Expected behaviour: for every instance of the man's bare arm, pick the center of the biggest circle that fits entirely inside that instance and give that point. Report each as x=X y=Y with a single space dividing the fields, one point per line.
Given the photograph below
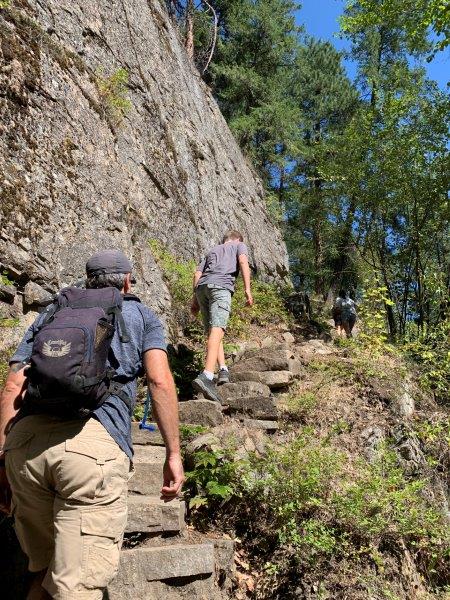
x=165 y=410
x=194 y=305
x=11 y=398
x=245 y=270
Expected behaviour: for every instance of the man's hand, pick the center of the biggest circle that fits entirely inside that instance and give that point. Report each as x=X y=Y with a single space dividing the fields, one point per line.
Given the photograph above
x=195 y=306
x=249 y=298
x=173 y=475
x=5 y=492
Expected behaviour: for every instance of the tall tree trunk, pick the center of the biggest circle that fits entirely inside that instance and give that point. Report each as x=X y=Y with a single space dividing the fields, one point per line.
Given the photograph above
x=189 y=40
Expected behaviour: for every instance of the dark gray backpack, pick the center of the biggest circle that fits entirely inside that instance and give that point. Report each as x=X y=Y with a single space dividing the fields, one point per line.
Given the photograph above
x=68 y=373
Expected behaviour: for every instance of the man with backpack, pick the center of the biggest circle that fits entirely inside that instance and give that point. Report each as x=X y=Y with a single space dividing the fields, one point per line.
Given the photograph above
x=213 y=284
x=65 y=429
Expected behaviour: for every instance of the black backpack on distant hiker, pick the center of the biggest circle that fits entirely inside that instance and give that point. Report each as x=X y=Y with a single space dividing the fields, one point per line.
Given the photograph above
x=68 y=373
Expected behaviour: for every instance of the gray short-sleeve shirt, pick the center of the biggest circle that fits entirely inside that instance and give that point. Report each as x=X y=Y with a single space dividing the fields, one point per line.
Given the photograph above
x=221 y=265
x=146 y=333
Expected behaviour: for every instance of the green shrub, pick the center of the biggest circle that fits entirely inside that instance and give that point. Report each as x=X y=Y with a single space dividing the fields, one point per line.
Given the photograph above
x=307 y=503
x=9 y=322
x=4 y=279
x=213 y=480
x=430 y=351
x=189 y=432
x=298 y=405
x=113 y=92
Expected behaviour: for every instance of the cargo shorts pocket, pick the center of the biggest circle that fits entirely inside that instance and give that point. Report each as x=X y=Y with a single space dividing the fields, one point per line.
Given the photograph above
x=102 y=532
x=86 y=467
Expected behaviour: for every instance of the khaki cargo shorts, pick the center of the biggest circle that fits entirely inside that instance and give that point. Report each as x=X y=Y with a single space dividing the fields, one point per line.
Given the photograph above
x=215 y=305
x=69 y=485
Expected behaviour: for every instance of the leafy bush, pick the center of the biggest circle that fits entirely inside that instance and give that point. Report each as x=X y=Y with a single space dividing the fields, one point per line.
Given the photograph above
x=213 y=480
x=113 y=92
x=299 y=404
x=4 y=279
x=372 y=318
x=431 y=352
x=306 y=503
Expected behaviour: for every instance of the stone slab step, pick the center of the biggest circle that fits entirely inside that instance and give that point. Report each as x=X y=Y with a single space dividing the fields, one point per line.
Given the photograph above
x=144 y=437
x=260 y=424
x=242 y=389
x=150 y=514
x=273 y=379
x=258 y=407
x=148 y=464
x=142 y=567
x=263 y=359
x=201 y=412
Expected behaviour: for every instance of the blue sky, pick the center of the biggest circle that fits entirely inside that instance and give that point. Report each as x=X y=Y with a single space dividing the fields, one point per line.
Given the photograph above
x=320 y=18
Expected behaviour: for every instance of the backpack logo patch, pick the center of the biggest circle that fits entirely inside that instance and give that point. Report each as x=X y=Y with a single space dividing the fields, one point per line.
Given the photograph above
x=56 y=348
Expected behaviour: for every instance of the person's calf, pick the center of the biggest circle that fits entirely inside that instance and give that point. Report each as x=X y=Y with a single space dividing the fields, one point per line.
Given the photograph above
x=212 y=354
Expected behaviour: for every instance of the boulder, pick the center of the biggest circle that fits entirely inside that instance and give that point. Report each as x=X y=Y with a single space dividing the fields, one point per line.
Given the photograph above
x=141 y=569
x=264 y=359
x=242 y=389
x=273 y=379
x=201 y=412
x=148 y=464
x=258 y=407
x=35 y=295
x=259 y=424
x=144 y=437
x=7 y=293
x=149 y=514
x=288 y=337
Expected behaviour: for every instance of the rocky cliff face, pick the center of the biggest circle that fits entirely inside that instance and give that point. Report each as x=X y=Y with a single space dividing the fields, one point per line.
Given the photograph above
x=77 y=176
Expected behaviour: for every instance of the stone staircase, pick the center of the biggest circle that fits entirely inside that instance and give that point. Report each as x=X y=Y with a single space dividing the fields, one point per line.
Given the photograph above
x=165 y=563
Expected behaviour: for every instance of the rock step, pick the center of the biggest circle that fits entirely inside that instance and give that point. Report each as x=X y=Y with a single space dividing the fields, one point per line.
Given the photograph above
x=144 y=437
x=263 y=359
x=273 y=379
x=259 y=407
x=268 y=426
x=148 y=463
x=150 y=514
x=148 y=572
x=201 y=412
x=242 y=389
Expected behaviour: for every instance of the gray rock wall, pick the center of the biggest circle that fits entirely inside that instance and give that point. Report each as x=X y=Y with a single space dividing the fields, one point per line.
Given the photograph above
x=73 y=179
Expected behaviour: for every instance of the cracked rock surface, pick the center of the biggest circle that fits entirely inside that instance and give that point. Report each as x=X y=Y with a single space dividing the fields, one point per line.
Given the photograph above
x=74 y=178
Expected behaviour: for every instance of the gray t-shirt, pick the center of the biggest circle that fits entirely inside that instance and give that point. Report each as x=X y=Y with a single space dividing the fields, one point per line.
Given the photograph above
x=146 y=333
x=221 y=266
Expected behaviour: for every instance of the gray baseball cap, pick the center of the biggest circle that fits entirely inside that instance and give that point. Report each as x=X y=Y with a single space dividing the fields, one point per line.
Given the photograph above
x=108 y=261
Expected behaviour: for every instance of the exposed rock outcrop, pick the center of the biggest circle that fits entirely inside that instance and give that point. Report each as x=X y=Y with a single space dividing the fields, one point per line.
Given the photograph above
x=74 y=177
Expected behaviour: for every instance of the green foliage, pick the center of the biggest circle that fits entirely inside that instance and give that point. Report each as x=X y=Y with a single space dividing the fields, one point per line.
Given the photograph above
x=9 y=322
x=138 y=411
x=4 y=279
x=298 y=405
x=431 y=352
x=372 y=318
x=414 y=17
x=190 y=432
x=5 y=3
x=113 y=90
x=213 y=479
x=306 y=503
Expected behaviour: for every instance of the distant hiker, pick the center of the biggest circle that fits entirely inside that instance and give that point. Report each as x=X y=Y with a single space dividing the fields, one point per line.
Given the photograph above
x=214 y=280
x=344 y=314
x=66 y=414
